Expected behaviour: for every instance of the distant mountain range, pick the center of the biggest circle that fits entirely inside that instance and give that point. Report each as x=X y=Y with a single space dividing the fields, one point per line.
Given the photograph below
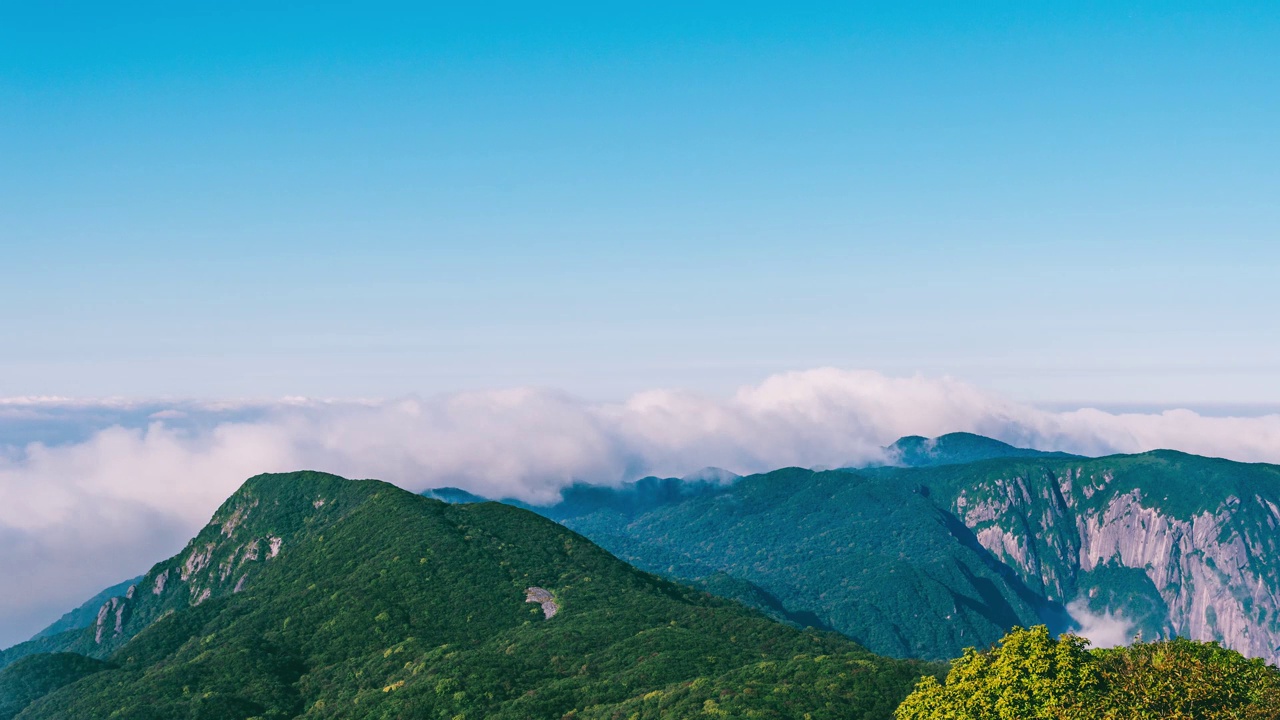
x=308 y=595
x=965 y=538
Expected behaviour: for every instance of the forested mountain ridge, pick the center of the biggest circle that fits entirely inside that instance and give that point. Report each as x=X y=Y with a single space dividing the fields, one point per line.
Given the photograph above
x=238 y=542
x=309 y=595
x=980 y=536
x=877 y=561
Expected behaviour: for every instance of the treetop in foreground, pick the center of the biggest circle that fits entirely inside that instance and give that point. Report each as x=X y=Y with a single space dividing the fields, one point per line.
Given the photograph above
x=1031 y=675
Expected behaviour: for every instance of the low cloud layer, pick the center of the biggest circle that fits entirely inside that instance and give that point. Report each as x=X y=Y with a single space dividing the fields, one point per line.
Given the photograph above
x=91 y=493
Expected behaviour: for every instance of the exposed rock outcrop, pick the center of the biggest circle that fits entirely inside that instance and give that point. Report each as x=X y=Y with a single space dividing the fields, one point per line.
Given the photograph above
x=1214 y=568
x=221 y=560
x=544 y=598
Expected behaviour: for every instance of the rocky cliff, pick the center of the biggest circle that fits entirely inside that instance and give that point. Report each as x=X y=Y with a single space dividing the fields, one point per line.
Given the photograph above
x=1202 y=533
x=251 y=529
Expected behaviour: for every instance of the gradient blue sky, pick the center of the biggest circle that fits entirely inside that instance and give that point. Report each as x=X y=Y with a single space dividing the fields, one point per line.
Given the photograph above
x=1056 y=201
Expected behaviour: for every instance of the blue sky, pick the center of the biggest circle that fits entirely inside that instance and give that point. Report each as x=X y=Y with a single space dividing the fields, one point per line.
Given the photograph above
x=1057 y=202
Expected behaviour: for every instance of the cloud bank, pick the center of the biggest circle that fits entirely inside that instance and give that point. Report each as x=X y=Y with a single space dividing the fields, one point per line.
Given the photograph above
x=91 y=493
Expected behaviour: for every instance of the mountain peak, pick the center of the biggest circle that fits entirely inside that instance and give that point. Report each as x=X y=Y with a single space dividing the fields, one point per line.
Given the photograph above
x=957 y=448
x=369 y=600
x=711 y=475
x=453 y=496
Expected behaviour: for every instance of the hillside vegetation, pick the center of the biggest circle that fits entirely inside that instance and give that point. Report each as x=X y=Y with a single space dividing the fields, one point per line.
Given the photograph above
x=979 y=538
x=313 y=596
x=876 y=560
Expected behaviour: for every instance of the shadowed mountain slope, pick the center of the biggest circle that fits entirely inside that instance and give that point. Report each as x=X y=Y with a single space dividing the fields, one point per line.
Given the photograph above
x=924 y=561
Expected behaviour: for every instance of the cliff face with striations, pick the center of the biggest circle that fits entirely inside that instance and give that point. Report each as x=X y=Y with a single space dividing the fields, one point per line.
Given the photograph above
x=1200 y=533
x=241 y=539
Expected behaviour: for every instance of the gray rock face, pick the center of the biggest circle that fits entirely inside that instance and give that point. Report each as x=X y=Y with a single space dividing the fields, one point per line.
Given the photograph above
x=220 y=561
x=101 y=622
x=1215 y=568
x=115 y=609
x=543 y=598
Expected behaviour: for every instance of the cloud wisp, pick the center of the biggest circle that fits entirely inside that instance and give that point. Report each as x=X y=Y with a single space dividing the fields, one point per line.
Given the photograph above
x=1105 y=630
x=100 y=490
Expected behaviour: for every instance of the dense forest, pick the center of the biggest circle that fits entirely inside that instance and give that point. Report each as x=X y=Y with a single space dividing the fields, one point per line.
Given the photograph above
x=313 y=596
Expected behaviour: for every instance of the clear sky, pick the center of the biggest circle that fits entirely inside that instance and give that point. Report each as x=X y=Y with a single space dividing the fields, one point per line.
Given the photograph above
x=1056 y=201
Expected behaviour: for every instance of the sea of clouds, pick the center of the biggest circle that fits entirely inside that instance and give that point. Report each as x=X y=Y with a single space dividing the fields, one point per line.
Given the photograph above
x=92 y=492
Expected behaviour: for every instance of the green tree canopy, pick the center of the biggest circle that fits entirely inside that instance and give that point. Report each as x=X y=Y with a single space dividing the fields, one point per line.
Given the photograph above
x=1030 y=674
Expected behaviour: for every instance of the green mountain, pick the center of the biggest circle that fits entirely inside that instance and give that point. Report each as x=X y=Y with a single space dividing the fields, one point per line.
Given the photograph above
x=957 y=449
x=65 y=631
x=312 y=596
x=87 y=613
x=924 y=561
x=33 y=677
x=877 y=561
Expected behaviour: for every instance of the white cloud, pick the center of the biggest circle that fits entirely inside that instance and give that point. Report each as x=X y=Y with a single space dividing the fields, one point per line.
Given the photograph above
x=1103 y=631
x=129 y=485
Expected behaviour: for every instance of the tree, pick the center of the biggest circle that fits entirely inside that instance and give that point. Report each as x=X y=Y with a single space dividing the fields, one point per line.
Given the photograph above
x=1184 y=680
x=1032 y=675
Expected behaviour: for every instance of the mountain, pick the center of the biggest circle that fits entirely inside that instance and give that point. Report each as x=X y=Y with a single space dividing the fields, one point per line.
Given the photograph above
x=308 y=595
x=66 y=630
x=924 y=561
x=877 y=561
x=453 y=496
x=1176 y=543
x=33 y=677
x=716 y=475
x=86 y=614
x=957 y=449
x=632 y=499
